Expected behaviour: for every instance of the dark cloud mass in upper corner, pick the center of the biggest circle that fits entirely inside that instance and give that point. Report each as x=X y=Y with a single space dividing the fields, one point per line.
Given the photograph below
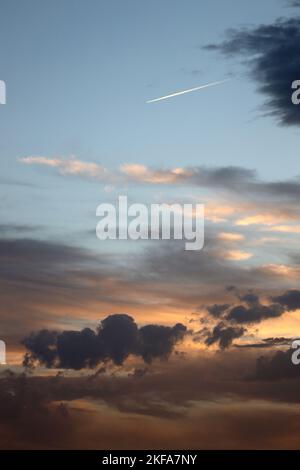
x=117 y=337
x=273 y=53
x=290 y=299
x=294 y=3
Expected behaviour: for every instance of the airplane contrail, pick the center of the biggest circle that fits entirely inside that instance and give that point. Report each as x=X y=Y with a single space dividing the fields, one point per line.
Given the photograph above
x=177 y=93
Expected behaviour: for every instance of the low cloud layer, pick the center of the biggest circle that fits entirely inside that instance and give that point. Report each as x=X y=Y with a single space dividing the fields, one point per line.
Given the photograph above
x=165 y=407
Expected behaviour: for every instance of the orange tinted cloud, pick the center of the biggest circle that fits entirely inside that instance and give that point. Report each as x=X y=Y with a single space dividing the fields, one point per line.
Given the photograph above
x=237 y=255
x=285 y=228
x=231 y=237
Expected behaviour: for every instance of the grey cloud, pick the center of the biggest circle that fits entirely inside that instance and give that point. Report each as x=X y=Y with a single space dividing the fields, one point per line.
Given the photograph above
x=217 y=310
x=273 y=57
x=241 y=314
x=277 y=366
x=290 y=299
x=224 y=335
x=267 y=343
x=294 y=3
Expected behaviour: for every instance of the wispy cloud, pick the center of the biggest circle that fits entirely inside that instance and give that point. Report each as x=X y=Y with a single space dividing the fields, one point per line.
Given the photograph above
x=235 y=180
x=237 y=255
x=70 y=166
x=146 y=175
x=231 y=237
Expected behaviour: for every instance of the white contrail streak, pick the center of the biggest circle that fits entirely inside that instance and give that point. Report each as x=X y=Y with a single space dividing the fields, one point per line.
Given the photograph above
x=177 y=93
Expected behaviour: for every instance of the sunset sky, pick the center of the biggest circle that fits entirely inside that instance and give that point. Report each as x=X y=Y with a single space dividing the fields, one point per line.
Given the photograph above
x=142 y=344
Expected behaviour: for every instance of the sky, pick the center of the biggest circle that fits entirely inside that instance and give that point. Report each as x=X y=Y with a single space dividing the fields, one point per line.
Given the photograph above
x=105 y=338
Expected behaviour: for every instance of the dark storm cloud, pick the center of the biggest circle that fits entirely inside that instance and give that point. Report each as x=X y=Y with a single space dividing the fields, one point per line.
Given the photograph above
x=224 y=335
x=159 y=341
x=218 y=310
x=117 y=337
x=274 y=61
x=252 y=310
x=249 y=313
x=290 y=299
x=241 y=314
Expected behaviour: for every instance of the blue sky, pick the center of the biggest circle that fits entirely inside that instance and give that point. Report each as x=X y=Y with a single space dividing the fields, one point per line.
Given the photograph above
x=78 y=75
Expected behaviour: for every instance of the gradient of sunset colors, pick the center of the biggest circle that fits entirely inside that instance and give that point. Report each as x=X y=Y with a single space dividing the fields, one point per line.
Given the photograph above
x=127 y=344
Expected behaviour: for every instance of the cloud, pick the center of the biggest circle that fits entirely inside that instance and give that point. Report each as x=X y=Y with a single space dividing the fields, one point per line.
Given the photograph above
x=294 y=3
x=164 y=407
x=258 y=219
x=284 y=229
x=231 y=237
x=277 y=366
x=253 y=311
x=281 y=270
x=267 y=343
x=15 y=229
x=237 y=255
x=60 y=284
x=224 y=335
x=217 y=310
x=70 y=166
x=234 y=180
x=273 y=57
x=143 y=174
x=289 y=300
x=116 y=338
x=241 y=314
x=249 y=313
